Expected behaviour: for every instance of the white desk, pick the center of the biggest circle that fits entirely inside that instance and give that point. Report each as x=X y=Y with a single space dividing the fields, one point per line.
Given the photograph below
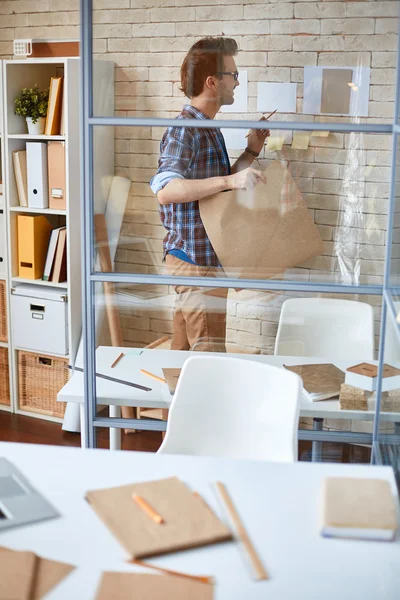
x=278 y=503
x=109 y=393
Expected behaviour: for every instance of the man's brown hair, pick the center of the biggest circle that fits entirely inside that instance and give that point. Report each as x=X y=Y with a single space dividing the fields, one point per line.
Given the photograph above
x=205 y=58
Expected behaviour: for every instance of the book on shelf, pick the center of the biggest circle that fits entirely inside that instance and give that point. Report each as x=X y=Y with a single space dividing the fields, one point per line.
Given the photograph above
x=53 y=118
x=320 y=381
x=358 y=508
x=21 y=177
x=59 y=274
x=51 y=252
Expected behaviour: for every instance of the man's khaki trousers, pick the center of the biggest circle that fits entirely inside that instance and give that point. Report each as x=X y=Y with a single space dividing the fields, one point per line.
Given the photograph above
x=200 y=313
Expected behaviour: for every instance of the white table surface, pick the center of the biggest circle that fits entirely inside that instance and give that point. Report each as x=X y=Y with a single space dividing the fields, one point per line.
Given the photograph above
x=278 y=503
x=154 y=361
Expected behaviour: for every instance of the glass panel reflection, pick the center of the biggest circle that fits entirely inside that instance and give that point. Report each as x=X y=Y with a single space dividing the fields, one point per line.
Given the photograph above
x=135 y=326
x=313 y=214
x=340 y=65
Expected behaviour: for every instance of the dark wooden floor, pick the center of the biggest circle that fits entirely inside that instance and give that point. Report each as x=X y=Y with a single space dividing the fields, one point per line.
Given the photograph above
x=18 y=428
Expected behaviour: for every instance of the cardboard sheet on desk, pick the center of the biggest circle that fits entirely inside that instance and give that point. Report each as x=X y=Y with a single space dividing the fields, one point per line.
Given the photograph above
x=126 y=586
x=17 y=574
x=261 y=233
x=171 y=377
x=319 y=378
x=45 y=575
x=188 y=521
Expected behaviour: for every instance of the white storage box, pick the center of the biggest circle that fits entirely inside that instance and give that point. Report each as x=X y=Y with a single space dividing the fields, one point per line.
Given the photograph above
x=40 y=319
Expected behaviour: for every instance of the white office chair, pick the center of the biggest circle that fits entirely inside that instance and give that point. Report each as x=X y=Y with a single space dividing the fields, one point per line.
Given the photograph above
x=228 y=407
x=329 y=328
x=326 y=327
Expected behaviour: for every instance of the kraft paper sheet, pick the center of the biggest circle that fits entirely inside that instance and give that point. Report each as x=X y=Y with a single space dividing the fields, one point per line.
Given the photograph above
x=262 y=232
x=127 y=586
x=188 y=521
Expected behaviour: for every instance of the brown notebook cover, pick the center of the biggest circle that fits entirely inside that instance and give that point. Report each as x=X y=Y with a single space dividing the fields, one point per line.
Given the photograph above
x=188 y=520
x=171 y=377
x=363 y=507
x=17 y=574
x=126 y=586
x=319 y=378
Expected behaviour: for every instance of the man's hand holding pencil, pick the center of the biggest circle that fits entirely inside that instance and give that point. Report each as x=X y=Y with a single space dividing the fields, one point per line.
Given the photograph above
x=257 y=137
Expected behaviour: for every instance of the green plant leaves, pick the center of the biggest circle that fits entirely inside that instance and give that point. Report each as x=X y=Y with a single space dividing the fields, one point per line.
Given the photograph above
x=32 y=102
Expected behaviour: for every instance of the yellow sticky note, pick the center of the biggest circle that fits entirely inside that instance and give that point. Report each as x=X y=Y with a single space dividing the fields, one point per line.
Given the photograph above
x=319 y=133
x=301 y=140
x=274 y=143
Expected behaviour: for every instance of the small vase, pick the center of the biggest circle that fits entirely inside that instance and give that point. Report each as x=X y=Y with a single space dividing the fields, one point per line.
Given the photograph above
x=36 y=128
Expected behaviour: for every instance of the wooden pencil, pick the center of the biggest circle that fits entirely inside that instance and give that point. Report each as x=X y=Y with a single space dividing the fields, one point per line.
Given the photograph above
x=242 y=533
x=156 y=377
x=116 y=361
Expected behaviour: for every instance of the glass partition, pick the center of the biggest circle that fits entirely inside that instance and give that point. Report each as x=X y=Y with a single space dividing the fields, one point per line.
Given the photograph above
x=283 y=195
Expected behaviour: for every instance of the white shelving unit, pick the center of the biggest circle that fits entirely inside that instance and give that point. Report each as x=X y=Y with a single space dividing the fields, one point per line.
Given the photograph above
x=4 y=250
x=17 y=74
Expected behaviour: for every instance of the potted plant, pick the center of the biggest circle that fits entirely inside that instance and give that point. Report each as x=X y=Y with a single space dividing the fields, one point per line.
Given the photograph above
x=32 y=104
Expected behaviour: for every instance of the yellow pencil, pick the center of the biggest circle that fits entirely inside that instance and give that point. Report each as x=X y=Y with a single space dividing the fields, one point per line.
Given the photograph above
x=153 y=376
x=141 y=502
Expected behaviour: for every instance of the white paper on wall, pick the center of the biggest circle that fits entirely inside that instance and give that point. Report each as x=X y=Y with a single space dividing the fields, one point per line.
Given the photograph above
x=280 y=96
x=240 y=103
x=235 y=139
x=317 y=84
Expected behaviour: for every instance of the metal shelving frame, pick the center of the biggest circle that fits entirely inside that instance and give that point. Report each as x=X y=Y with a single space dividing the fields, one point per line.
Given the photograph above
x=91 y=276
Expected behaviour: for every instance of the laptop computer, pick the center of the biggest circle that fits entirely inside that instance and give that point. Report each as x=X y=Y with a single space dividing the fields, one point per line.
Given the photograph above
x=20 y=503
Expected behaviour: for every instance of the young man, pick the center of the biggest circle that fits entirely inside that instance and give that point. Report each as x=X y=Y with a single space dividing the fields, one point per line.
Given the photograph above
x=194 y=164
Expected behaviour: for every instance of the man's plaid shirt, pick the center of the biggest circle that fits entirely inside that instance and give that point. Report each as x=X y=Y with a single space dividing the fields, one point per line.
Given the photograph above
x=189 y=153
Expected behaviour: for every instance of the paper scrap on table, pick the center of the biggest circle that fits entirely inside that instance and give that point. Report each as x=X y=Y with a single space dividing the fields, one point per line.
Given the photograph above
x=240 y=97
x=274 y=143
x=280 y=96
x=319 y=133
x=133 y=352
x=301 y=139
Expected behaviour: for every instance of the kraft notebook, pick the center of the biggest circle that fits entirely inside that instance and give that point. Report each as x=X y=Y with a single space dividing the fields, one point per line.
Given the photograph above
x=320 y=381
x=127 y=586
x=358 y=508
x=188 y=521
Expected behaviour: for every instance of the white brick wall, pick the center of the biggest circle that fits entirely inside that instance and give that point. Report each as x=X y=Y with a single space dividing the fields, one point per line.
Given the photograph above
x=147 y=40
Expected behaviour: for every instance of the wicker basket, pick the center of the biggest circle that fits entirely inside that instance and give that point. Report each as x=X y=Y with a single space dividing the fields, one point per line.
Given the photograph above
x=3 y=312
x=4 y=377
x=40 y=379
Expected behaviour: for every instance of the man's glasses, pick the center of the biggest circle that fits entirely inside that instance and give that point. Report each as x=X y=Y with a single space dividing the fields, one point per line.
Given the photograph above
x=235 y=74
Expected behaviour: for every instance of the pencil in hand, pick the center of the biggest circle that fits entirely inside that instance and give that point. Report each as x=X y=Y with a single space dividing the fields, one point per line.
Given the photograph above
x=150 y=512
x=266 y=118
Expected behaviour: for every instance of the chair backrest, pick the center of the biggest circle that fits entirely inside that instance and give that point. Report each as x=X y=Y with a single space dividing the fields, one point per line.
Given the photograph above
x=325 y=327
x=236 y=408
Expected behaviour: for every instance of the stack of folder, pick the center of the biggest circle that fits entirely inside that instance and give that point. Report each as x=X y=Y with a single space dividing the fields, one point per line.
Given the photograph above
x=40 y=175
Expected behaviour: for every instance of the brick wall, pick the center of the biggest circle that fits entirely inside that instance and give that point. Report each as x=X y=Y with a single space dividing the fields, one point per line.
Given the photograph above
x=147 y=40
